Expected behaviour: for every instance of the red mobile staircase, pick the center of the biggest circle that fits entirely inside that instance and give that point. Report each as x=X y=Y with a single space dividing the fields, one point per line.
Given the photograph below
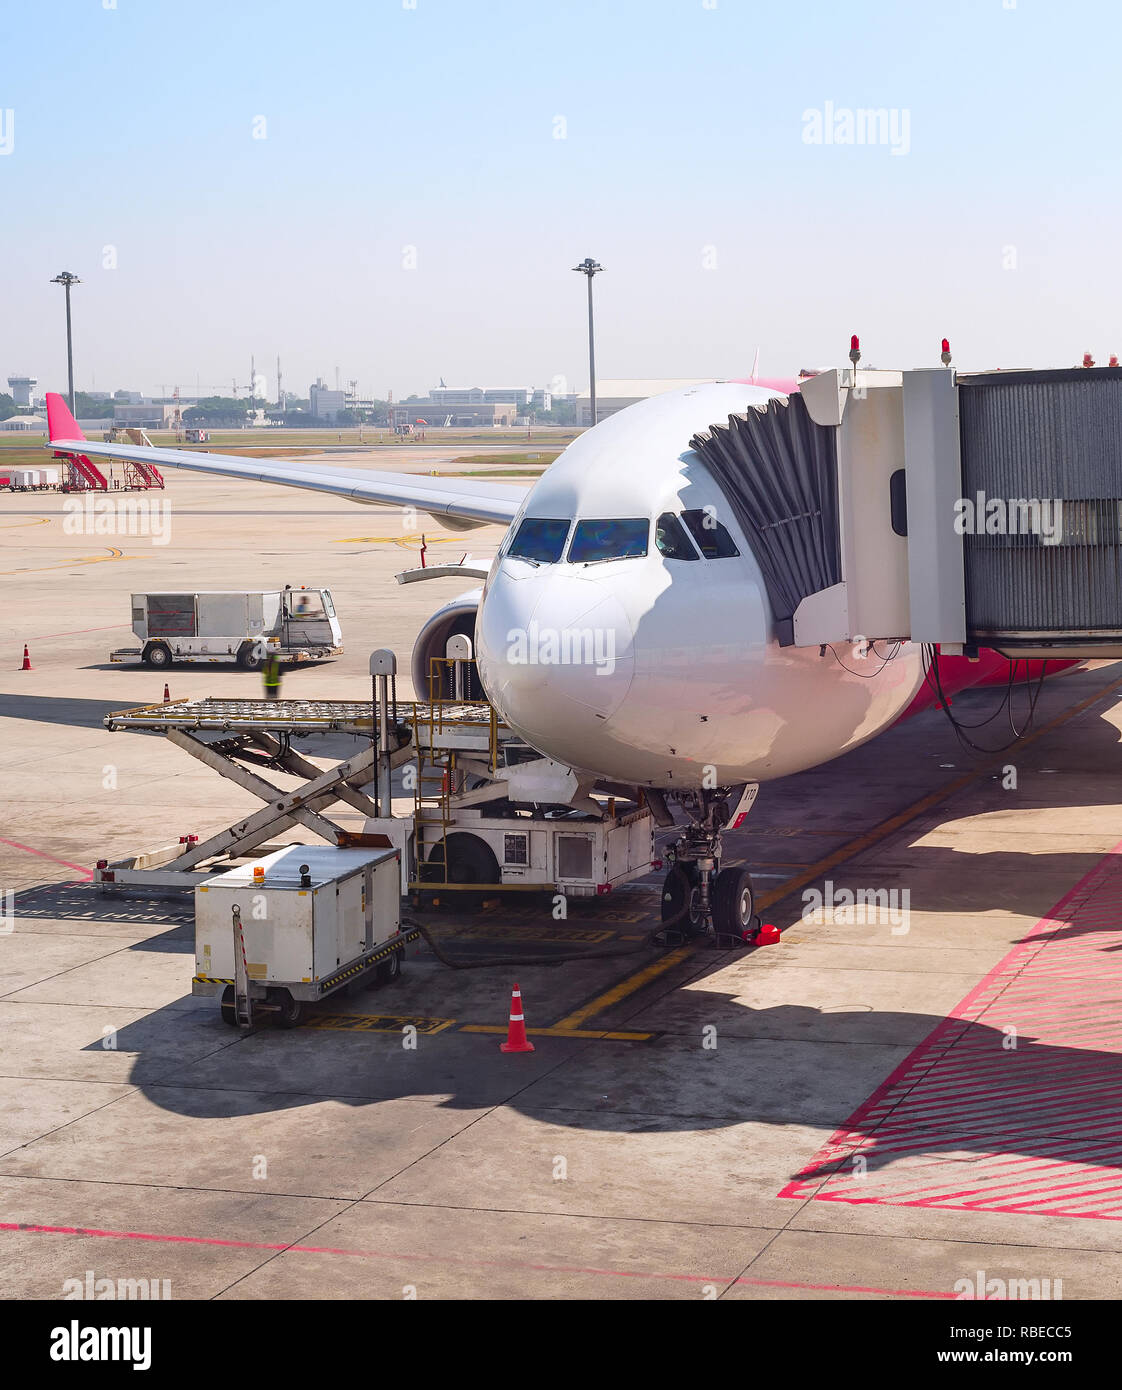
x=82 y=474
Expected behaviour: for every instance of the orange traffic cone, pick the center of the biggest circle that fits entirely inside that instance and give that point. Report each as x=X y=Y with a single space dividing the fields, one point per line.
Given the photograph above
x=516 y=1039
x=768 y=935
x=27 y=666
x=167 y=693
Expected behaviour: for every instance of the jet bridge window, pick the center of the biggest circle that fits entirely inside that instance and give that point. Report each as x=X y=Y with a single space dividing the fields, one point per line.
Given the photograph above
x=713 y=539
x=671 y=539
x=608 y=540
x=539 y=539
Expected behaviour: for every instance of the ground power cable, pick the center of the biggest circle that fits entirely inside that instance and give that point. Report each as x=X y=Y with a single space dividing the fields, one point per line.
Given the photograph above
x=934 y=680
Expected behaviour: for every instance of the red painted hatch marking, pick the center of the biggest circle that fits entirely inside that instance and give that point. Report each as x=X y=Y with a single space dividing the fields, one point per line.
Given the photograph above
x=968 y=1123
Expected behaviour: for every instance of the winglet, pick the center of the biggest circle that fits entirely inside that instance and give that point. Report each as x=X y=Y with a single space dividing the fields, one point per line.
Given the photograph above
x=60 y=423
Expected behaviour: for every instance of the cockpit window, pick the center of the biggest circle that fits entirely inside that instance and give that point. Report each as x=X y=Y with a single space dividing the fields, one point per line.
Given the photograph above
x=671 y=539
x=608 y=540
x=539 y=539
x=713 y=540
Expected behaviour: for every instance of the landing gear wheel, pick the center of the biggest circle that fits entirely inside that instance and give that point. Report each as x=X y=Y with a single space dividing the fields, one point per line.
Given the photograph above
x=157 y=654
x=289 y=1012
x=229 y=1008
x=681 y=900
x=733 y=902
x=389 y=970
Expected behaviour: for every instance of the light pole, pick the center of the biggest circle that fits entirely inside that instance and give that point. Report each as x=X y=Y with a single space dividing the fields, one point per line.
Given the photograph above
x=66 y=280
x=590 y=268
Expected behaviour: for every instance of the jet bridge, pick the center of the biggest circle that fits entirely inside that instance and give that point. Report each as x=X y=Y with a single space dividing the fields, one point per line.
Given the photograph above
x=959 y=509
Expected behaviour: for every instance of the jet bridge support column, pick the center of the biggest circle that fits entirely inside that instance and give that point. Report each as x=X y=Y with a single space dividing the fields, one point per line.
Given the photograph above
x=933 y=466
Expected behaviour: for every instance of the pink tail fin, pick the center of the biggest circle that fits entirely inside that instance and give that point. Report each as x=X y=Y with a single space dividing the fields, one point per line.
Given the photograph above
x=60 y=423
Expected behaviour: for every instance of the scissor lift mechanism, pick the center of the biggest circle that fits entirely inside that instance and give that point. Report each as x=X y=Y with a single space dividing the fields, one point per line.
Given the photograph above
x=255 y=734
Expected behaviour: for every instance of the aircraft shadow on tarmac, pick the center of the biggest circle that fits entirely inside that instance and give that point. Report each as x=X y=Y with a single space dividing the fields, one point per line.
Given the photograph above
x=666 y=1086
x=780 y=1065
x=60 y=709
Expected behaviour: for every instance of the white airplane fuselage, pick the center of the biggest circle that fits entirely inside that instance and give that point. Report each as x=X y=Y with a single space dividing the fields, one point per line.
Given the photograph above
x=658 y=671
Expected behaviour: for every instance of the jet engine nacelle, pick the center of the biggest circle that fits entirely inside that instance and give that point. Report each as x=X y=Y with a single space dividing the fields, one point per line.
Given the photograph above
x=454 y=619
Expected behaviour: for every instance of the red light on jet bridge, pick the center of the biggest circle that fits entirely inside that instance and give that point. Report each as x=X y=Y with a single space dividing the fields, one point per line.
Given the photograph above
x=1088 y=360
x=855 y=349
x=945 y=352
x=1113 y=360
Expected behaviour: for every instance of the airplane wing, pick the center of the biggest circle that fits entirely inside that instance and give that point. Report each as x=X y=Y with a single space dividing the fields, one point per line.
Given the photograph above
x=460 y=504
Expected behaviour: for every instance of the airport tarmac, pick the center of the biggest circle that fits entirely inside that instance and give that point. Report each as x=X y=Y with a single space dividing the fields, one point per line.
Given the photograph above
x=876 y=1108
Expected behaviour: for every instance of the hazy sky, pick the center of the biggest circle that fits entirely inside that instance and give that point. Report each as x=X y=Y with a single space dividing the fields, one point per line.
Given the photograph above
x=411 y=211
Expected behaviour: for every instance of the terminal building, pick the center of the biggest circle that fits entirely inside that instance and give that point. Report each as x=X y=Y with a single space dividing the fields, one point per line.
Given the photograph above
x=145 y=416
x=467 y=415
x=487 y=395
x=613 y=396
x=462 y=406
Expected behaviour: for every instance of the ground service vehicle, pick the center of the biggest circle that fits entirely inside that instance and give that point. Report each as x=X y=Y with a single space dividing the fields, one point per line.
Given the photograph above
x=299 y=625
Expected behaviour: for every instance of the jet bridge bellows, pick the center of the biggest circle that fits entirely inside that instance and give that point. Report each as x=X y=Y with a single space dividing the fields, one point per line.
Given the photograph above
x=1041 y=457
x=779 y=472
x=964 y=510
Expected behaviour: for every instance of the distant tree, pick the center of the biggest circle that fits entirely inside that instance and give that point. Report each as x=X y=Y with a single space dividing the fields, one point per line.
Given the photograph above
x=217 y=410
x=296 y=419
x=376 y=413
x=87 y=408
x=7 y=406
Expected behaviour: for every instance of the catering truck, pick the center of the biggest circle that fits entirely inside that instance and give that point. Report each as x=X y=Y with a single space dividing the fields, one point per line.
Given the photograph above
x=298 y=625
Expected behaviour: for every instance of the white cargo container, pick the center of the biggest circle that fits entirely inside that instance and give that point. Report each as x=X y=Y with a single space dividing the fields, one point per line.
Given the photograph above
x=34 y=478
x=215 y=626
x=314 y=919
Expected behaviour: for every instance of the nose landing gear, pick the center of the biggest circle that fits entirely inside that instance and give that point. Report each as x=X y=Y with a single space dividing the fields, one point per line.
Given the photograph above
x=698 y=896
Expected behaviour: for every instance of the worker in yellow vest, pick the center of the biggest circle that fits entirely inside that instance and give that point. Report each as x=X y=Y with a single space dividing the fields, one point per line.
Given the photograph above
x=271 y=674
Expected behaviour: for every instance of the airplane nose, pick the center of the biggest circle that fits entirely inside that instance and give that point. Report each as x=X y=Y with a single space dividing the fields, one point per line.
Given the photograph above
x=552 y=650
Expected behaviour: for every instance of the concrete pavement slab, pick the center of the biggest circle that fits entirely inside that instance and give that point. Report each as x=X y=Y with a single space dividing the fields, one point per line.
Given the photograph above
x=616 y=1165
x=804 y=1264
x=249 y=1141
x=84 y=1042
x=394 y=1251
x=200 y=1243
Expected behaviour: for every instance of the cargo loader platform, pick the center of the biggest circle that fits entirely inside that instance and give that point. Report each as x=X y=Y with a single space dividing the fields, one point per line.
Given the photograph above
x=489 y=814
x=253 y=735
x=242 y=739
